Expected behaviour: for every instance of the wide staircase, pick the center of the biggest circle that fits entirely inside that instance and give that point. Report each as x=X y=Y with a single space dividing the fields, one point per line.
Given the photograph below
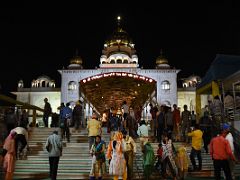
x=76 y=160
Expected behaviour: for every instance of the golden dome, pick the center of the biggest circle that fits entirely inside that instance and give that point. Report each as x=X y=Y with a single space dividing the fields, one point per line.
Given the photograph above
x=119 y=37
x=76 y=60
x=161 y=60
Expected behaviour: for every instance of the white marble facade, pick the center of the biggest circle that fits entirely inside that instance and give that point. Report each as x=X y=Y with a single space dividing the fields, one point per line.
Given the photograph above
x=164 y=96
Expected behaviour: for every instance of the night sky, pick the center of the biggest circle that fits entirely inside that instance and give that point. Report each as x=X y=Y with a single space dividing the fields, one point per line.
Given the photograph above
x=40 y=38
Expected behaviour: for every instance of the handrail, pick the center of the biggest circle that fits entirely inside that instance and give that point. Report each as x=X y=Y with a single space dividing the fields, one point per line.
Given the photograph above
x=25 y=105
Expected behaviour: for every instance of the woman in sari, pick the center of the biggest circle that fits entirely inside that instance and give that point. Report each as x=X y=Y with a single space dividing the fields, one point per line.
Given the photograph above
x=10 y=157
x=115 y=154
x=98 y=159
x=182 y=161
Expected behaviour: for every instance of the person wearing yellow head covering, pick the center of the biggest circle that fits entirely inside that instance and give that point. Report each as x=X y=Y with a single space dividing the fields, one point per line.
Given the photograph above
x=117 y=166
x=182 y=161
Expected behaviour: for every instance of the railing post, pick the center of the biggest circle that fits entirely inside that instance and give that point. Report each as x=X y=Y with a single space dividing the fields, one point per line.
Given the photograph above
x=34 y=117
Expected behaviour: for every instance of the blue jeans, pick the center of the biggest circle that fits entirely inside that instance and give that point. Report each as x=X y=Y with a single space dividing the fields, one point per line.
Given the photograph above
x=91 y=140
x=193 y=154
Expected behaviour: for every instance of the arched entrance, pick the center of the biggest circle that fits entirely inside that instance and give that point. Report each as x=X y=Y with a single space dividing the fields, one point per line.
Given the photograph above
x=111 y=89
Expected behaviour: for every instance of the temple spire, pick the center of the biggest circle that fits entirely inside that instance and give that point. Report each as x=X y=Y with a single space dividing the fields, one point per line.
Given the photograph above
x=76 y=52
x=161 y=52
x=119 y=18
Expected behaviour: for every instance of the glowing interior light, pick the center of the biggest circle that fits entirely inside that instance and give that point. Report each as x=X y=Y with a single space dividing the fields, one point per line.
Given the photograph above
x=119 y=74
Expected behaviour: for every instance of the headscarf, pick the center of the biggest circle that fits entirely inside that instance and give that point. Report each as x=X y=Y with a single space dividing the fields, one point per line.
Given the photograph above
x=9 y=143
x=118 y=136
x=12 y=134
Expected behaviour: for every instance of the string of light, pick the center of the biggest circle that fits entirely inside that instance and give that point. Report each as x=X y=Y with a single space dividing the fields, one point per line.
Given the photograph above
x=118 y=74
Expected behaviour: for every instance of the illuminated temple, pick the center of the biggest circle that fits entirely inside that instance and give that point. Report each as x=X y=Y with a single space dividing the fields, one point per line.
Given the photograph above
x=119 y=78
x=116 y=79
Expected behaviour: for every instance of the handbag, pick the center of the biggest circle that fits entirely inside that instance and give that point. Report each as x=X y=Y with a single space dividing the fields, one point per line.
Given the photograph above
x=49 y=147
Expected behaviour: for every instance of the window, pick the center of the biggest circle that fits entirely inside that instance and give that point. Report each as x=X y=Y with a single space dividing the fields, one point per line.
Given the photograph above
x=165 y=85
x=44 y=84
x=112 y=61
x=125 y=61
x=119 y=61
x=72 y=85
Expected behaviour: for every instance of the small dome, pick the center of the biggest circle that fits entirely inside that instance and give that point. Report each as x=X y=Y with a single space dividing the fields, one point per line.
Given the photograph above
x=20 y=84
x=76 y=60
x=161 y=60
x=43 y=77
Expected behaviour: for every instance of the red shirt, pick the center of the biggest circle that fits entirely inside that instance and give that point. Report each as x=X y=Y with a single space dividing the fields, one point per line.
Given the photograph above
x=220 y=148
x=159 y=152
x=176 y=116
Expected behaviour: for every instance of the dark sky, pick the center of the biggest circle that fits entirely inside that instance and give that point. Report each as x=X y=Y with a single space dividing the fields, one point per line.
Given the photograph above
x=40 y=38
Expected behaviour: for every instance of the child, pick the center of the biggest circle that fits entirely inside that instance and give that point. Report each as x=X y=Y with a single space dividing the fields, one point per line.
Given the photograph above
x=159 y=156
x=148 y=160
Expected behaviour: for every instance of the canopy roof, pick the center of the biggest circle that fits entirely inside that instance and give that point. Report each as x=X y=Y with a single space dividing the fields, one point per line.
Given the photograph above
x=111 y=91
x=221 y=67
x=16 y=102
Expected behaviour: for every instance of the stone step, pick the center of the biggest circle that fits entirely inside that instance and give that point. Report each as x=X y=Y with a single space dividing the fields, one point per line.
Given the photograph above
x=76 y=160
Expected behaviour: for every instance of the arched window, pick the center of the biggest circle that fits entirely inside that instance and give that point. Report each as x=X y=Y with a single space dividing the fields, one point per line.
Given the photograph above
x=165 y=85
x=134 y=62
x=125 y=61
x=44 y=84
x=103 y=62
x=52 y=84
x=112 y=61
x=72 y=85
x=119 y=61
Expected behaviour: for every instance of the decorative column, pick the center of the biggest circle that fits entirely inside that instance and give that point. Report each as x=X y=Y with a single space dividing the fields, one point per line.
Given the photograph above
x=158 y=91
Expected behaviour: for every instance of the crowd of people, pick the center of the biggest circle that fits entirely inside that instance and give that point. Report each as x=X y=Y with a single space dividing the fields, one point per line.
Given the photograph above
x=125 y=125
